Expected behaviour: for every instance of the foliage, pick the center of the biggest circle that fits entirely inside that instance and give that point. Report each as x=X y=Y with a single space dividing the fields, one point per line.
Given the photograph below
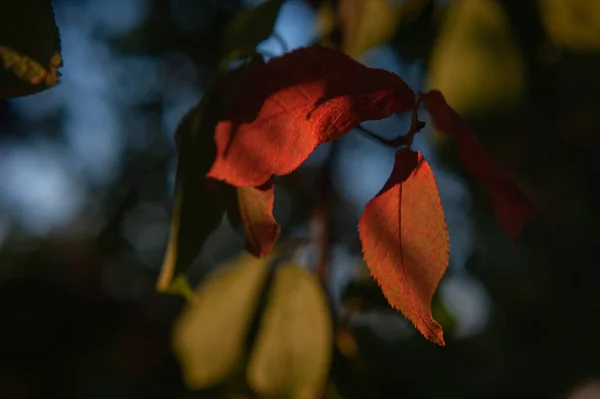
x=264 y=324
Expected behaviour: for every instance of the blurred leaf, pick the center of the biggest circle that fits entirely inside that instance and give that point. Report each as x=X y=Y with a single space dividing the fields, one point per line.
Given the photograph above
x=511 y=206
x=249 y=28
x=198 y=207
x=210 y=336
x=29 y=47
x=292 y=352
x=346 y=343
x=405 y=241
x=475 y=62
x=326 y=23
x=574 y=24
x=440 y=312
x=417 y=30
x=367 y=23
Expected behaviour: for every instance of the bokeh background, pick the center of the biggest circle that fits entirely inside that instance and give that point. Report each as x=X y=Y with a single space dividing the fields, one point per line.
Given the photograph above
x=87 y=173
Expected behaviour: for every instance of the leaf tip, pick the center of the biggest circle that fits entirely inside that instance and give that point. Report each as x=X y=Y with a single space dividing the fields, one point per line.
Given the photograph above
x=261 y=240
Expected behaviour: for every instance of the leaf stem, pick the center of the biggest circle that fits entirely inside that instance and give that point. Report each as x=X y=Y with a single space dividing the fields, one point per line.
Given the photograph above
x=373 y=136
x=405 y=140
x=322 y=223
x=279 y=39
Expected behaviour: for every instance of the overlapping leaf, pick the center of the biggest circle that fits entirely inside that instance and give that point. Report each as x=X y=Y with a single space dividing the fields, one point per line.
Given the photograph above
x=294 y=103
x=210 y=336
x=197 y=209
x=292 y=352
x=254 y=210
x=248 y=28
x=510 y=204
x=367 y=23
x=405 y=240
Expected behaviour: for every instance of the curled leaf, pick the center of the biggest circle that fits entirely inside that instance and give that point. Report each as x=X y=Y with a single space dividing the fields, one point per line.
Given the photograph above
x=255 y=206
x=511 y=206
x=292 y=352
x=405 y=241
x=294 y=103
x=210 y=336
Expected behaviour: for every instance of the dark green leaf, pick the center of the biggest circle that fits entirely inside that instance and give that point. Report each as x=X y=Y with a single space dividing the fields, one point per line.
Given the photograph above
x=29 y=47
x=198 y=207
x=248 y=28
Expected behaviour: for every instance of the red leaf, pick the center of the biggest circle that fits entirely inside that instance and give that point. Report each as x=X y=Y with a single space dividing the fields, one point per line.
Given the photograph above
x=294 y=103
x=256 y=213
x=405 y=241
x=511 y=206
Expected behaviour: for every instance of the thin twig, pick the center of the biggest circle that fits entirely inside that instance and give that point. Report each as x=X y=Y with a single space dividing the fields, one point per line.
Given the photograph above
x=322 y=223
x=415 y=126
x=373 y=136
x=280 y=41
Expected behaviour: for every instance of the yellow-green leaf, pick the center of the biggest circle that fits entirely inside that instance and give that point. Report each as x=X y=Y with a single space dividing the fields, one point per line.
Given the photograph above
x=29 y=47
x=209 y=337
x=476 y=63
x=573 y=24
x=367 y=23
x=292 y=352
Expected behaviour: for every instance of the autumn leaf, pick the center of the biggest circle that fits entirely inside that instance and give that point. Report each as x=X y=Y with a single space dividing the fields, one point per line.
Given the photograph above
x=511 y=206
x=29 y=47
x=210 y=336
x=405 y=240
x=254 y=211
x=294 y=103
x=292 y=352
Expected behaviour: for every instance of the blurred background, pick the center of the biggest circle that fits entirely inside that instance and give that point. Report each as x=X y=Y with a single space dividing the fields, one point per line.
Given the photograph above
x=87 y=173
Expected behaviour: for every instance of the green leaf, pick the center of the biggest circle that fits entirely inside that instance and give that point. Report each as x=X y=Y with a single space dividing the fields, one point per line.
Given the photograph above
x=29 y=47
x=572 y=24
x=196 y=210
x=198 y=206
x=210 y=336
x=248 y=28
x=367 y=23
x=476 y=62
x=292 y=352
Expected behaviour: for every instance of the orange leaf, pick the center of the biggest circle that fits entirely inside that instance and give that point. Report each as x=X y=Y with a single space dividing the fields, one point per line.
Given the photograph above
x=405 y=241
x=294 y=103
x=511 y=206
x=255 y=205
